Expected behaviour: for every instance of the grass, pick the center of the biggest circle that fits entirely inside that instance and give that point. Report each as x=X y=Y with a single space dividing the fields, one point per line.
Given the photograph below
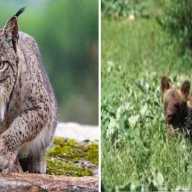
x=137 y=154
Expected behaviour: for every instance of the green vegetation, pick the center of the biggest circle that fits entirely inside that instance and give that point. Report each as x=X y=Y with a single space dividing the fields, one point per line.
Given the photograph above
x=137 y=154
x=65 y=155
x=116 y=8
x=177 y=21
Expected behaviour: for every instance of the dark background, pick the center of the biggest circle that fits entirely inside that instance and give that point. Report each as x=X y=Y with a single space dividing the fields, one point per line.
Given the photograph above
x=67 y=34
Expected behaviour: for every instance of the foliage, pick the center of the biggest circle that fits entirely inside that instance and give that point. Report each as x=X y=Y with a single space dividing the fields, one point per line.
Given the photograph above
x=137 y=154
x=124 y=8
x=177 y=20
x=64 y=157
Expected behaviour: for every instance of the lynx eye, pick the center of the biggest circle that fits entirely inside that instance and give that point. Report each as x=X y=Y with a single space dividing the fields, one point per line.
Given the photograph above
x=3 y=65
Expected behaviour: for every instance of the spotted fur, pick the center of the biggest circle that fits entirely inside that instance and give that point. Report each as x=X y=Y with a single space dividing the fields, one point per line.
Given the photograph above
x=27 y=102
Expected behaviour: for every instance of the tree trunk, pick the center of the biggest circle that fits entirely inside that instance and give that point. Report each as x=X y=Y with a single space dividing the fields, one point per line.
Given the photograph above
x=46 y=183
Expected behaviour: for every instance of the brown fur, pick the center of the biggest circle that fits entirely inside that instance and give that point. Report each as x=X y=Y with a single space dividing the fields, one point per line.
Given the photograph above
x=177 y=103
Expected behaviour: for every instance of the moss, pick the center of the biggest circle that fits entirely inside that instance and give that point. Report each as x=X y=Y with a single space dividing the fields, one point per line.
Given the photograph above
x=59 y=167
x=69 y=149
x=64 y=155
x=91 y=153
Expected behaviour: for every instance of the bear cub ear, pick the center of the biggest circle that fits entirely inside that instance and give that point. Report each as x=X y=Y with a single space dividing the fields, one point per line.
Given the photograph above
x=165 y=83
x=185 y=88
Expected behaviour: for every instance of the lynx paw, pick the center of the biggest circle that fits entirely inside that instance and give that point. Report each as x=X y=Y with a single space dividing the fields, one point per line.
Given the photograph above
x=7 y=159
x=7 y=162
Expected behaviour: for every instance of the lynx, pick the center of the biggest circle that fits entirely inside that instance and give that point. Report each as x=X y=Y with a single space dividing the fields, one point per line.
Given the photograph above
x=27 y=102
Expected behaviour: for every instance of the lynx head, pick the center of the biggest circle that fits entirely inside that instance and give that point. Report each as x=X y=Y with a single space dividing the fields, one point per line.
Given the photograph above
x=8 y=60
x=175 y=101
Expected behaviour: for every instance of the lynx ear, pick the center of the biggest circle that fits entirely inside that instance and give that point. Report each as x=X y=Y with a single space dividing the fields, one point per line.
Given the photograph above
x=165 y=83
x=11 y=29
x=185 y=88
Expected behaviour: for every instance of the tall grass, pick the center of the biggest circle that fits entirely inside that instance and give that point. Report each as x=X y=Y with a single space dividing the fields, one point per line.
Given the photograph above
x=137 y=154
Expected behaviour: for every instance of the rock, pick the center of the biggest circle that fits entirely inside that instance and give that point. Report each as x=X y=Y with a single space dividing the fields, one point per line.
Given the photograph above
x=77 y=131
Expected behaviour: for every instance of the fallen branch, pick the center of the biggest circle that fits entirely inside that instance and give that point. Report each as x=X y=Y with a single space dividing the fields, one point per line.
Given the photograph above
x=46 y=183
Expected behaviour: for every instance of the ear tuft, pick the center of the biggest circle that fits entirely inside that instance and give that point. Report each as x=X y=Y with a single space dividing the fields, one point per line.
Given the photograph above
x=20 y=12
x=165 y=83
x=185 y=88
x=11 y=30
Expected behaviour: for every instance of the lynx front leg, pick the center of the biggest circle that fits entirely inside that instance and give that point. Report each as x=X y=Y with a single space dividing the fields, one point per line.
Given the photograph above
x=9 y=162
x=23 y=129
x=38 y=164
x=7 y=159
